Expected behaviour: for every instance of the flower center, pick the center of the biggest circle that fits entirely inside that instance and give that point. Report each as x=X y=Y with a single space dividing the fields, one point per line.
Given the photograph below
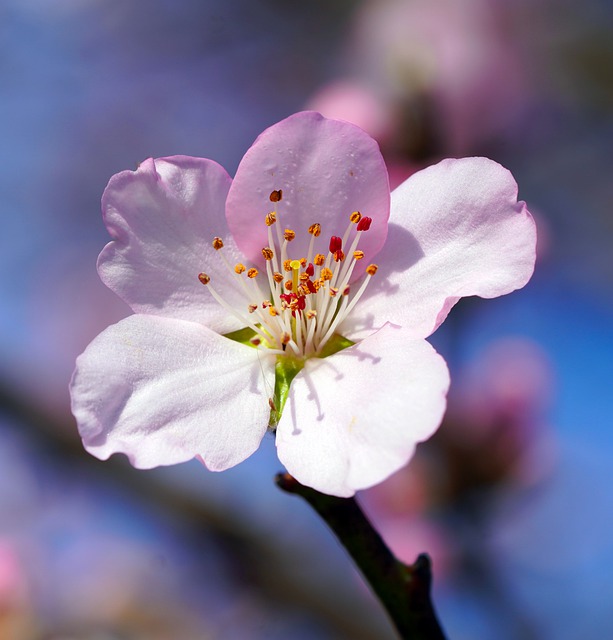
x=296 y=306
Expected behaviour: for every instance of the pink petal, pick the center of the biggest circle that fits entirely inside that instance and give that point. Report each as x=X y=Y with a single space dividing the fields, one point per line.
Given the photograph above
x=354 y=418
x=456 y=229
x=162 y=218
x=326 y=169
x=163 y=391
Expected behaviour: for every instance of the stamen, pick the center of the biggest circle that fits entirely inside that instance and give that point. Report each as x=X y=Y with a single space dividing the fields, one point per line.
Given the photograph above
x=336 y=244
x=268 y=254
x=315 y=229
x=276 y=195
x=319 y=259
x=364 y=224
x=326 y=274
x=239 y=268
x=289 y=235
x=371 y=269
x=277 y=277
x=270 y=218
x=358 y=255
x=287 y=265
x=204 y=278
x=252 y=273
x=355 y=217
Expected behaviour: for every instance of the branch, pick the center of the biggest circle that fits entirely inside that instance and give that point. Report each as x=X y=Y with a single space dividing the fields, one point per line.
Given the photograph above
x=404 y=590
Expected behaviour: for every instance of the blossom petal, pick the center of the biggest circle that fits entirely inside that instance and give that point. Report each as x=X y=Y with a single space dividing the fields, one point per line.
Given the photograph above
x=162 y=218
x=354 y=418
x=326 y=169
x=456 y=229
x=164 y=391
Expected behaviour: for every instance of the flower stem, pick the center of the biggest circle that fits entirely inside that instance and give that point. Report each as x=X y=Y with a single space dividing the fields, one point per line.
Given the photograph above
x=404 y=590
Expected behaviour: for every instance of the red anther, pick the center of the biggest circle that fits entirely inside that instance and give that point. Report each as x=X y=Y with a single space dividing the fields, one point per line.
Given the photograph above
x=336 y=244
x=364 y=224
x=311 y=286
x=310 y=270
x=301 y=303
x=339 y=256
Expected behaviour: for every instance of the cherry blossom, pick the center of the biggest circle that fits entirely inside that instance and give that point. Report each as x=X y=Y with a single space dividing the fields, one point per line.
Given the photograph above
x=295 y=298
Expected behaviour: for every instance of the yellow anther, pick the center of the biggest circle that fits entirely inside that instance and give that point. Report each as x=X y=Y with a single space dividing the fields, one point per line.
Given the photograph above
x=355 y=217
x=252 y=273
x=266 y=303
x=303 y=290
x=204 y=278
x=267 y=253
x=289 y=285
x=304 y=277
x=319 y=259
x=303 y=262
x=289 y=235
x=315 y=229
x=273 y=311
x=311 y=313
x=285 y=338
x=276 y=195
x=252 y=308
x=358 y=255
x=287 y=265
x=277 y=277
x=239 y=268
x=326 y=274
x=333 y=291
x=371 y=269
x=217 y=243
x=270 y=218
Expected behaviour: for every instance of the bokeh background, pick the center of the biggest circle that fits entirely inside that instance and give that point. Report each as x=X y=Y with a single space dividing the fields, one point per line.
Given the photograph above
x=513 y=498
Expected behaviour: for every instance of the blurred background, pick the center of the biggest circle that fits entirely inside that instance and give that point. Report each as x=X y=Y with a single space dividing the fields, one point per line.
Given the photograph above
x=513 y=498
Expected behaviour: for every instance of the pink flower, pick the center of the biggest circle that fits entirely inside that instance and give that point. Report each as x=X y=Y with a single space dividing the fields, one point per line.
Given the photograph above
x=325 y=348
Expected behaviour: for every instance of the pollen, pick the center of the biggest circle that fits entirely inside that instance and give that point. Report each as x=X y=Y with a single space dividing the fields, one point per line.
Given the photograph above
x=239 y=268
x=270 y=218
x=204 y=278
x=268 y=253
x=277 y=277
x=326 y=274
x=217 y=243
x=273 y=311
x=287 y=266
x=355 y=217
x=275 y=196
x=252 y=273
x=315 y=229
x=319 y=259
x=289 y=285
x=371 y=269
x=289 y=235
x=358 y=255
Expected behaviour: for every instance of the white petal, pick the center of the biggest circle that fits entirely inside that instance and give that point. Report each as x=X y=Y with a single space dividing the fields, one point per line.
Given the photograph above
x=456 y=229
x=164 y=391
x=354 y=418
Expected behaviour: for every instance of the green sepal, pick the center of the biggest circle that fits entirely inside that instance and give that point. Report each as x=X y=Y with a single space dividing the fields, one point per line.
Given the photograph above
x=287 y=368
x=243 y=336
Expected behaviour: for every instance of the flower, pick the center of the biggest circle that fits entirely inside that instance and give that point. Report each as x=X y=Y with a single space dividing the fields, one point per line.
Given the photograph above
x=276 y=315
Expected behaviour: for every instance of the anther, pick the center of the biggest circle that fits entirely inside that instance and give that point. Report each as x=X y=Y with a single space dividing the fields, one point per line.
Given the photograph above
x=319 y=259
x=358 y=255
x=371 y=269
x=289 y=285
x=303 y=277
x=326 y=274
x=285 y=338
x=310 y=270
x=273 y=311
x=355 y=217
x=333 y=291
x=339 y=256
x=336 y=244
x=364 y=224
x=315 y=229
x=277 y=277
x=252 y=273
x=204 y=278
x=217 y=243
x=346 y=290
x=267 y=253
x=239 y=268
x=275 y=196
x=270 y=218
x=252 y=308
x=289 y=235
x=256 y=341
x=311 y=313
x=287 y=265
